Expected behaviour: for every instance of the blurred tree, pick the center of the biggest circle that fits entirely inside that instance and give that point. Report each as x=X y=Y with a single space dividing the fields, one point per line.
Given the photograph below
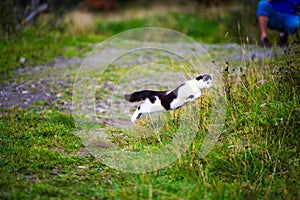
x=213 y=2
x=10 y=17
x=241 y=21
x=16 y=13
x=63 y=5
x=94 y=5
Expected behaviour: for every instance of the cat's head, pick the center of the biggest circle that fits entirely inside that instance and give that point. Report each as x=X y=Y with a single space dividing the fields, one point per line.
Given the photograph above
x=204 y=81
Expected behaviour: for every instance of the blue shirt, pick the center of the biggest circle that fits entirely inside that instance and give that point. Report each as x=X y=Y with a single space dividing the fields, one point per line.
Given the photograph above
x=286 y=6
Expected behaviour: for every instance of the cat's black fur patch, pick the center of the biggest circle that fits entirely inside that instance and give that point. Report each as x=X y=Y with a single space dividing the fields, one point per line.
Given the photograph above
x=167 y=99
x=199 y=78
x=175 y=91
x=164 y=97
x=152 y=99
x=142 y=95
x=207 y=77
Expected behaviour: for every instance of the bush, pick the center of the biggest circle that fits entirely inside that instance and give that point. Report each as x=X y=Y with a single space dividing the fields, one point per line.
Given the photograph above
x=241 y=22
x=10 y=16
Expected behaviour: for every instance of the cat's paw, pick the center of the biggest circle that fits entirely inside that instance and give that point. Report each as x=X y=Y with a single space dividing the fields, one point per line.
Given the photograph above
x=133 y=120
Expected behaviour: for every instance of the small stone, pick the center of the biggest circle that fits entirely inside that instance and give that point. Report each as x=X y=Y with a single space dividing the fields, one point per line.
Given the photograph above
x=59 y=95
x=24 y=92
x=22 y=60
x=82 y=167
x=263 y=105
x=100 y=110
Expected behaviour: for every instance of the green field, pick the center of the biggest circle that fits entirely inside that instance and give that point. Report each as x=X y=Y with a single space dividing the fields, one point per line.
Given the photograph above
x=256 y=156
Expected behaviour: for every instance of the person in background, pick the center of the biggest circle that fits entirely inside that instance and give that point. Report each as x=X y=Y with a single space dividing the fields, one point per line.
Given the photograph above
x=280 y=15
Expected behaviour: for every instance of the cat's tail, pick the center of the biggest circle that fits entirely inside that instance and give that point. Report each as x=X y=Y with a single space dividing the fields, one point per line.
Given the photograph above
x=140 y=95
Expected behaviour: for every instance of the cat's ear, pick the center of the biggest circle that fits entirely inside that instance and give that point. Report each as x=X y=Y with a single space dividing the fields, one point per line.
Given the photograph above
x=199 y=77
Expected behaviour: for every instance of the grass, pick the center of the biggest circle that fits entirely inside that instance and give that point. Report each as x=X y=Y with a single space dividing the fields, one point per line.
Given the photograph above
x=256 y=157
x=40 y=47
x=192 y=25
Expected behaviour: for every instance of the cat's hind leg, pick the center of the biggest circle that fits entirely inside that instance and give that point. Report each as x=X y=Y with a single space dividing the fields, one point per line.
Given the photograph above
x=145 y=107
x=136 y=115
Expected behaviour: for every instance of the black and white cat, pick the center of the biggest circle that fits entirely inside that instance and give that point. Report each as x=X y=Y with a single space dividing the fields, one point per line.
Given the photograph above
x=154 y=101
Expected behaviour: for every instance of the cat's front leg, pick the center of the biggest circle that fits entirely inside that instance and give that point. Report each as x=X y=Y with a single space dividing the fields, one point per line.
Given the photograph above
x=194 y=96
x=198 y=95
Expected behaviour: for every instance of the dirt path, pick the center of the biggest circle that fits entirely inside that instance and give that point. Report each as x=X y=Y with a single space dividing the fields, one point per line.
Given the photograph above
x=51 y=85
